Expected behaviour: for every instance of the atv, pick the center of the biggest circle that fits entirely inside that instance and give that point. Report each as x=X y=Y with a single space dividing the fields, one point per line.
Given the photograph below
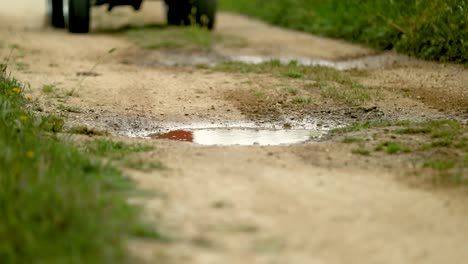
x=75 y=14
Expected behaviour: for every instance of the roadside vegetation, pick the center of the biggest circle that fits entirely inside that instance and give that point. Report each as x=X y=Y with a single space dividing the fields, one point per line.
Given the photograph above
x=191 y=38
x=434 y=30
x=440 y=146
x=294 y=88
x=57 y=204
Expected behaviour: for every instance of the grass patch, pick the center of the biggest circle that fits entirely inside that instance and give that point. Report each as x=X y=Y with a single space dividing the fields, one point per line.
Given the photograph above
x=56 y=204
x=21 y=66
x=84 y=130
x=392 y=148
x=49 y=88
x=331 y=83
x=290 y=70
x=51 y=123
x=435 y=30
x=293 y=74
x=440 y=165
x=115 y=149
x=438 y=144
x=142 y=164
x=349 y=140
x=361 y=151
x=173 y=38
x=358 y=126
x=302 y=100
x=69 y=108
x=145 y=232
x=354 y=95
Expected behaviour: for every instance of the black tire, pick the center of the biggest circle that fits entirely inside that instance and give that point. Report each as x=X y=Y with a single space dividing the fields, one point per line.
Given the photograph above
x=78 y=19
x=178 y=13
x=55 y=13
x=205 y=13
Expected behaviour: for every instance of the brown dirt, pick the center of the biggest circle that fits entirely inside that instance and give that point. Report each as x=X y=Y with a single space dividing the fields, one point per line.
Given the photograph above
x=312 y=203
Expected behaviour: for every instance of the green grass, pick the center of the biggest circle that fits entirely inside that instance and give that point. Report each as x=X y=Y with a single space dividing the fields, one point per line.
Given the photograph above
x=435 y=30
x=69 y=108
x=440 y=165
x=358 y=126
x=115 y=149
x=354 y=94
x=361 y=151
x=57 y=205
x=302 y=100
x=349 y=140
x=173 y=38
x=49 y=88
x=332 y=84
x=293 y=74
x=441 y=145
x=142 y=164
x=392 y=148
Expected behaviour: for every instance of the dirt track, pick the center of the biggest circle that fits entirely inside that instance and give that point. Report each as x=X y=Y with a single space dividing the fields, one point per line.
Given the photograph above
x=313 y=203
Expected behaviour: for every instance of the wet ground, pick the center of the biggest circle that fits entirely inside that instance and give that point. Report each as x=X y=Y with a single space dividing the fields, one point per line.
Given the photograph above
x=240 y=136
x=255 y=176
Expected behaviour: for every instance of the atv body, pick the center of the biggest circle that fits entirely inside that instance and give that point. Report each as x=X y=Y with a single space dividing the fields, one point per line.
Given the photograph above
x=75 y=14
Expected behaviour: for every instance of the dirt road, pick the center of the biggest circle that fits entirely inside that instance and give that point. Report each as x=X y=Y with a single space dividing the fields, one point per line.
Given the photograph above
x=306 y=203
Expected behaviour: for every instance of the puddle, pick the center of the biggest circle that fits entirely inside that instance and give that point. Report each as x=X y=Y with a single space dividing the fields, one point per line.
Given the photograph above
x=171 y=59
x=368 y=62
x=241 y=136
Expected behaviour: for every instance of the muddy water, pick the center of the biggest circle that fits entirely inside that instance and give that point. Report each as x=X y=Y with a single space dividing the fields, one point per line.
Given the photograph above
x=241 y=136
x=211 y=58
x=368 y=62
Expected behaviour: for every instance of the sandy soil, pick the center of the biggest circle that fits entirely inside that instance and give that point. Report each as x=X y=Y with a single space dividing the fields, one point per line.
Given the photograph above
x=312 y=203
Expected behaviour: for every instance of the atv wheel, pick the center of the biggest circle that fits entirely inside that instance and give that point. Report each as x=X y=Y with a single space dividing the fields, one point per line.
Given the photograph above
x=205 y=13
x=178 y=13
x=55 y=13
x=77 y=15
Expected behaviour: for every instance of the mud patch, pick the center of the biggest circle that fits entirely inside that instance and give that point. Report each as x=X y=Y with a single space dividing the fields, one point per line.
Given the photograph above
x=177 y=57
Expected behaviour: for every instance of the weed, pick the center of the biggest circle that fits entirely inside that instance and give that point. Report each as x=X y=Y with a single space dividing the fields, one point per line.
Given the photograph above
x=266 y=67
x=358 y=126
x=293 y=74
x=439 y=165
x=84 y=130
x=115 y=149
x=72 y=92
x=442 y=144
x=361 y=151
x=414 y=130
x=49 y=88
x=349 y=140
x=291 y=90
x=392 y=148
x=51 y=123
x=70 y=109
x=146 y=232
x=21 y=66
x=333 y=84
x=354 y=95
x=302 y=100
x=142 y=165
